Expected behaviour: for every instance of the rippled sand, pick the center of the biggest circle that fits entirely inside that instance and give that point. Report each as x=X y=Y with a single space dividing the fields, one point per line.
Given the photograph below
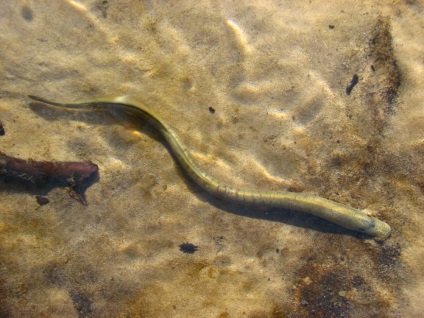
x=257 y=91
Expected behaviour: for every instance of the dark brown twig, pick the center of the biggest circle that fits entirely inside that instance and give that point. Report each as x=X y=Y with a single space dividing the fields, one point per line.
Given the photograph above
x=76 y=175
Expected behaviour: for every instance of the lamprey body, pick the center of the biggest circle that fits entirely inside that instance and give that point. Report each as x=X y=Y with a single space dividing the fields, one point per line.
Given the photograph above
x=334 y=212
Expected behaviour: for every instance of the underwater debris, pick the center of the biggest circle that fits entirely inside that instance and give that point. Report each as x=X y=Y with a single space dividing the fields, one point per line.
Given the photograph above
x=188 y=248
x=352 y=84
x=2 y=131
x=42 y=200
x=76 y=175
x=27 y=14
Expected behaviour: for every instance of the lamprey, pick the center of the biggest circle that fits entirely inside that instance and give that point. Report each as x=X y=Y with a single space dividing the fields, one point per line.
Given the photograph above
x=334 y=212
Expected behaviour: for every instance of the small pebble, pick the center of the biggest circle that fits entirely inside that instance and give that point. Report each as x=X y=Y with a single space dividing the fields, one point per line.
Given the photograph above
x=42 y=200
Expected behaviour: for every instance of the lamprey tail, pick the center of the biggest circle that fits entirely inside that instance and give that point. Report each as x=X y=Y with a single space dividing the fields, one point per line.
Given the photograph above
x=334 y=212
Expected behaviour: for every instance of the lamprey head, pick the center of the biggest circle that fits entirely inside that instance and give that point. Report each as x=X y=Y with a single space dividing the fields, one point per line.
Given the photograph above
x=378 y=229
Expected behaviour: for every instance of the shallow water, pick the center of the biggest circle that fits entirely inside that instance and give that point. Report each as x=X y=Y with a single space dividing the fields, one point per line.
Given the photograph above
x=257 y=92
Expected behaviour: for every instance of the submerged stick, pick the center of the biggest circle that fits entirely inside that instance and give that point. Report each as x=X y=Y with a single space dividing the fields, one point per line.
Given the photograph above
x=334 y=212
x=75 y=175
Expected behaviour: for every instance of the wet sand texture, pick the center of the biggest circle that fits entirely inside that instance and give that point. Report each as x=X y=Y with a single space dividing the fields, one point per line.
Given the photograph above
x=258 y=92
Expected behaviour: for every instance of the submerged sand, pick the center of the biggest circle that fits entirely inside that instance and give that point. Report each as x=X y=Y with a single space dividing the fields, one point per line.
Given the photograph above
x=257 y=91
